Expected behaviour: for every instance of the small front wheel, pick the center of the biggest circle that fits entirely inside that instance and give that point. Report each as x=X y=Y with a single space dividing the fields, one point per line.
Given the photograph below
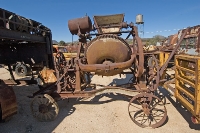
x=44 y=108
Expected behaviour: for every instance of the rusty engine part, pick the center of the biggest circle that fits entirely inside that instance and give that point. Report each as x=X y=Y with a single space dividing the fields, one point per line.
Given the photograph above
x=8 y=103
x=106 y=54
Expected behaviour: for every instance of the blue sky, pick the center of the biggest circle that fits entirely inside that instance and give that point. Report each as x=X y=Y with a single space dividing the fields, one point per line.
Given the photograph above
x=161 y=17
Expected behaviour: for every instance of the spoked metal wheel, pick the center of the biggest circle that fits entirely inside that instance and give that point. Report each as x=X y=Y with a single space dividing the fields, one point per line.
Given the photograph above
x=147 y=110
x=44 y=108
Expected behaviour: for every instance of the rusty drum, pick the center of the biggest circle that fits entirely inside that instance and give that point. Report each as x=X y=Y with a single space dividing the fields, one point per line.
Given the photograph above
x=107 y=49
x=83 y=23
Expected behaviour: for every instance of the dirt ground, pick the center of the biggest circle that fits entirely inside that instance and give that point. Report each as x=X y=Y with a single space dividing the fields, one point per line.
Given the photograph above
x=104 y=114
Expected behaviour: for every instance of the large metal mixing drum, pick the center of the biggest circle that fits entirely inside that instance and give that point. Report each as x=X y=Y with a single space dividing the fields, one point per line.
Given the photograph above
x=108 y=49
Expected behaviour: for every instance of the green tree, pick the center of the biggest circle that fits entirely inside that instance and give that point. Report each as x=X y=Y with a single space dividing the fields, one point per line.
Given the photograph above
x=155 y=39
x=61 y=43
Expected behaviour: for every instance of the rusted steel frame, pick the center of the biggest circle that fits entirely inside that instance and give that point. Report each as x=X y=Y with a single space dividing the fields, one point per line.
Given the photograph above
x=141 y=57
x=96 y=25
x=78 y=75
x=132 y=32
x=106 y=89
x=139 y=50
x=135 y=31
x=173 y=52
x=113 y=66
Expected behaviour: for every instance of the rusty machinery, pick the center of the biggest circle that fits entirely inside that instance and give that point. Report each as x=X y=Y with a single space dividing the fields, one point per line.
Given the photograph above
x=25 y=42
x=107 y=54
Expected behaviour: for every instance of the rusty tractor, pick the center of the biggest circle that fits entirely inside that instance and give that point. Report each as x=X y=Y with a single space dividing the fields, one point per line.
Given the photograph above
x=107 y=54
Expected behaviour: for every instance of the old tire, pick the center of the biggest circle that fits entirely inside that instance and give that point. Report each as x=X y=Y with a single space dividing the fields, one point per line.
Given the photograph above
x=22 y=70
x=44 y=108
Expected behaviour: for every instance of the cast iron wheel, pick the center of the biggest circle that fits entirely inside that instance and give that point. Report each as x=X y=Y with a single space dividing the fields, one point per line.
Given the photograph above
x=147 y=110
x=22 y=70
x=44 y=108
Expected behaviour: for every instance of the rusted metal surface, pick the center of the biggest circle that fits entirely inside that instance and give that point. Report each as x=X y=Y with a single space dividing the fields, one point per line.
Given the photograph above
x=107 y=63
x=106 y=54
x=80 y=25
x=102 y=23
x=147 y=110
x=8 y=103
x=107 y=68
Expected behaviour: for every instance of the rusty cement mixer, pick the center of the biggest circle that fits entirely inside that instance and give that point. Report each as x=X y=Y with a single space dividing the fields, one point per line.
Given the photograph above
x=103 y=53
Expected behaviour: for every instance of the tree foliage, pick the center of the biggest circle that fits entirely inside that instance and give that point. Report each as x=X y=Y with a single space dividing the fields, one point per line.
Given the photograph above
x=154 y=40
x=61 y=43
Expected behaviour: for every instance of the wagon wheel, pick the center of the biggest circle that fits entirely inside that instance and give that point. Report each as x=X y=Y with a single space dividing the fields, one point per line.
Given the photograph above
x=147 y=110
x=44 y=108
